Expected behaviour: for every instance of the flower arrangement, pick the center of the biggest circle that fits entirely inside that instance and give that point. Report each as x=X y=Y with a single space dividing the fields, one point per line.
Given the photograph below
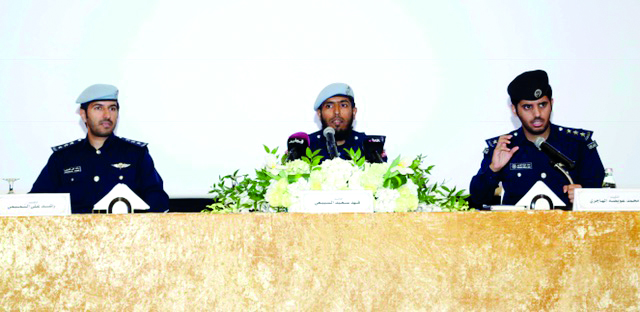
x=401 y=186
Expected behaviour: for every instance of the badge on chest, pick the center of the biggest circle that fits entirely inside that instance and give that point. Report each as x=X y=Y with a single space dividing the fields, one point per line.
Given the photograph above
x=521 y=166
x=75 y=169
x=120 y=165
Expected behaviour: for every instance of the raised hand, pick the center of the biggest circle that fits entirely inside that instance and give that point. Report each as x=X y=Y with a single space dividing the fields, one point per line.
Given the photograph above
x=502 y=154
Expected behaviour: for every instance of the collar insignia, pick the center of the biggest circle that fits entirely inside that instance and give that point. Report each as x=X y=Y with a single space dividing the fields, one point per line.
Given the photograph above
x=121 y=165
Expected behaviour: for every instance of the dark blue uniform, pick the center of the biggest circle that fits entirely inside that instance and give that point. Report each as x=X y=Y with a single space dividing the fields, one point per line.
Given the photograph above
x=317 y=141
x=528 y=165
x=89 y=174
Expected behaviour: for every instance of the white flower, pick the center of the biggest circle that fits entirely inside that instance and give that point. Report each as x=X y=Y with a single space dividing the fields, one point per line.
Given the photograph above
x=385 y=200
x=372 y=177
x=354 y=181
x=403 y=166
x=295 y=190
x=336 y=173
x=297 y=167
x=408 y=197
x=278 y=193
x=272 y=164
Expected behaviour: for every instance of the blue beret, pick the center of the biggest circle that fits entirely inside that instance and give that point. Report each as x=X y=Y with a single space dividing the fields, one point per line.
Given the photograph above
x=529 y=86
x=98 y=92
x=333 y=90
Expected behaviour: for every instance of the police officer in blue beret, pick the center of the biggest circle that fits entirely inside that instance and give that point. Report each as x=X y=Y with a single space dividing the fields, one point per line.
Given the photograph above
x=89 y=168
x=336 y=108
x=514 y=160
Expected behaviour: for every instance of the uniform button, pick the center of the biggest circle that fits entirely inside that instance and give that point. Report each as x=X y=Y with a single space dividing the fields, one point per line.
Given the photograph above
x=71 y=179
x=98 y=152
x=519 y=174
x=560 y=129
x=543 y=175
x=515 y=134
x=120 y=177
x=96 y=178
x=356 y=137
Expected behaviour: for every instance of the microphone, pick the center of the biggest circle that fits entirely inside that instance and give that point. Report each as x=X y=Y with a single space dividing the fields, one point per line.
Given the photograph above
x=373 y=146
x=297 y=145
x=555 y=155
x=330 y=134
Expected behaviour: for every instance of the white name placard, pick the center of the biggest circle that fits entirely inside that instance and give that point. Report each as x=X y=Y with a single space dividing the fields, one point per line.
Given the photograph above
x=335 y=202
x=606 y=199
x=35 y=205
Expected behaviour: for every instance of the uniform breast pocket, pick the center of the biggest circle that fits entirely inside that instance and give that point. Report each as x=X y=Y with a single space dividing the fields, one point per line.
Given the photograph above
x=126 y=175
x=72 y=181
x=517 y=175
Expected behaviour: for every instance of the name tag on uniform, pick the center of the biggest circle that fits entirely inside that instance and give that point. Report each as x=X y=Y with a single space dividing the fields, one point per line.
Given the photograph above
x=35 y=205
x=75 y=169
x=521 y=166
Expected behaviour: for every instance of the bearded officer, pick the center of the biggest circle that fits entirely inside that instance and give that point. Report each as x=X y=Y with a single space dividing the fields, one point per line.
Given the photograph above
x=514 y=160
x=336 y=108
x=89 y=168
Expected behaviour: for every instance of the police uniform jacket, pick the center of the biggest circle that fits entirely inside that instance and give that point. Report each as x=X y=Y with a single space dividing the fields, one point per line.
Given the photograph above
x=89 y=174
x=529 y=165
x=317 y=141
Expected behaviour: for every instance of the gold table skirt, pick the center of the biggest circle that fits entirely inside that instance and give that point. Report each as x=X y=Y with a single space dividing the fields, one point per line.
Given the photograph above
x=491 y=261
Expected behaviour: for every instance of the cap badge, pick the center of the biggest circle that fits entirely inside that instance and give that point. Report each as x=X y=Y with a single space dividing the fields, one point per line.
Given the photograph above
x=121 y=165
x=537 y=93
x=349 y=91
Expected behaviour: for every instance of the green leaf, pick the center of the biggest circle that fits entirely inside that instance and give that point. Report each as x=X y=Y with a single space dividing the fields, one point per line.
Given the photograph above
x=266 y=149
x=395 y=162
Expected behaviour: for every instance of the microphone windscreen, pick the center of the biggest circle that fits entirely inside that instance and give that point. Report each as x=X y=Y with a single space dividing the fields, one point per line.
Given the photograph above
x=328 y=130
x=299 y=137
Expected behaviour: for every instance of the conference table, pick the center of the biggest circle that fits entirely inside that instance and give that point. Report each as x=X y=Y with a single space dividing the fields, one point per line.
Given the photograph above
x=531 y=261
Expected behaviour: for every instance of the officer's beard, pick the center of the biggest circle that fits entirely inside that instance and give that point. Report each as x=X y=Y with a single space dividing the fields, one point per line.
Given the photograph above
x=341 y=134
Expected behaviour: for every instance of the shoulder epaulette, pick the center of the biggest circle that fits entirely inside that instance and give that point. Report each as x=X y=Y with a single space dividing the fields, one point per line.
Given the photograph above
x=492 y=142
x=579 y=134
x=65 y=145
x=134 y=142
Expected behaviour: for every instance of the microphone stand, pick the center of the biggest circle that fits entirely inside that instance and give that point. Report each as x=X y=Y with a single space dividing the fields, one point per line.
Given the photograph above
x=562 y=169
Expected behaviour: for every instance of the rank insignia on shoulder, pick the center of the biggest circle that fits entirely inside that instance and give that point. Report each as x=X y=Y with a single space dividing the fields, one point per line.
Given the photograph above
x=120 y=165
x=492 y=142
x=592 y=145
x=141 y=144
x=65 y=145
x=578 y=133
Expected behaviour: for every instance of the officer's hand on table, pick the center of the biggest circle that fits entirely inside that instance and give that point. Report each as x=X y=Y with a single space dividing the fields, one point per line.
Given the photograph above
x=502 y=154
x=570 y=189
